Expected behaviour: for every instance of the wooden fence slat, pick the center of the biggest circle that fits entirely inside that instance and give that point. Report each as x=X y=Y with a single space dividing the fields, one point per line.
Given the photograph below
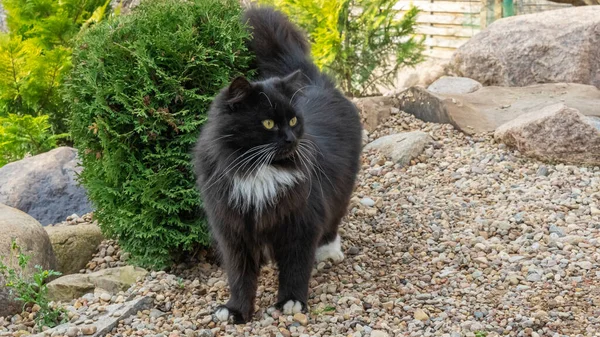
x=449 y=19
x=447 y=31
x=444 y=54
x=444 y=42
x=441 y=6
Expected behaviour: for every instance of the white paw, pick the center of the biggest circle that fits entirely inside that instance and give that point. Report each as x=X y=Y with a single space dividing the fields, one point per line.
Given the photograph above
x=292 y=307
x=222 y=314
x=332 y=250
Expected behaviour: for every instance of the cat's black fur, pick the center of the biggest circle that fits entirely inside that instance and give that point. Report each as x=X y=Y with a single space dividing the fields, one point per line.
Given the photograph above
x=324 y=146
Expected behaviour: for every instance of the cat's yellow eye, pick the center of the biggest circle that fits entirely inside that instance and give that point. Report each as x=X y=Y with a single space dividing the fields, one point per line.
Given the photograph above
x=268 y=124
x=293 y=121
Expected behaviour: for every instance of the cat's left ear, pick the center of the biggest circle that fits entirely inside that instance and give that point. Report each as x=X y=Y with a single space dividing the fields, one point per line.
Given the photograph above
x=295 y=80
x=239 y=88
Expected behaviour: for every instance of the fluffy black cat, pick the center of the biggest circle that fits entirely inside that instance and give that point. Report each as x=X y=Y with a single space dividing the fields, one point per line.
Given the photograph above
x=276 y=164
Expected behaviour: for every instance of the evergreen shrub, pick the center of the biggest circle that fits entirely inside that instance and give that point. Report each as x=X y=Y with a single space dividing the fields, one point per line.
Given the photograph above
x=139 y=92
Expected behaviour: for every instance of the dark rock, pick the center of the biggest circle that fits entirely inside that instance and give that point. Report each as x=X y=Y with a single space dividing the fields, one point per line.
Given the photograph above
x=45 y=186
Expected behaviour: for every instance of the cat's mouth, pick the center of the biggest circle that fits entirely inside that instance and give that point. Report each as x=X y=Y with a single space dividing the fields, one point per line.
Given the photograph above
x=285 y=154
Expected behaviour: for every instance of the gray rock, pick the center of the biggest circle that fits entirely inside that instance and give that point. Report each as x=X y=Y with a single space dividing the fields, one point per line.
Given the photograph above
x=45 y=186
x=554 y=133
x=490 y=107
x=454 y=85
x=33 y=240
x=554 y=46
x=401 y=147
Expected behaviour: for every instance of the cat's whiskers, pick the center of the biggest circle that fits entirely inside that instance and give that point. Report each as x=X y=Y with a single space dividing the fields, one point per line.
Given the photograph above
x=311 y=144
x=236 y=162
x=298 y=150
x=306 y=153
x=268 y=99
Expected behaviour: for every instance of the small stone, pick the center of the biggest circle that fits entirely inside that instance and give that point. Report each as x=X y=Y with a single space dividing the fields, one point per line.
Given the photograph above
x=301 y=318
x=88 y=329
x=367 y=202
x=105 y=297
x=388 y=305
x=379 y=333
x=353 y=250
x=72 y=331
x=542 y=171
x=587 y=265
x=421 y=315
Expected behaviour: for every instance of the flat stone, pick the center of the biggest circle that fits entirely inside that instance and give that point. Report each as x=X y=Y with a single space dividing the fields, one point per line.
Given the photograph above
x=490 y=107
x=104 y=322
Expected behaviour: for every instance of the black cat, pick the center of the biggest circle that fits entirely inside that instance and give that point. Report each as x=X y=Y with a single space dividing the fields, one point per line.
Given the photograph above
x=276 y=164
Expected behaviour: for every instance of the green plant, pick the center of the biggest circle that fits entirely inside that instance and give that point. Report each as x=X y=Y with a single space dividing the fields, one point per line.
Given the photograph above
x=35 y=55
x=31 y=291
x=362 y=43
x=20 y=135
x=480 y=333
x=140 y=89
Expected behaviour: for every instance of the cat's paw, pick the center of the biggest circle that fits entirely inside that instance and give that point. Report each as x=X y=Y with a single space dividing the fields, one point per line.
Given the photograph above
x=332 y=250
x=224 y=314
x=292 y=307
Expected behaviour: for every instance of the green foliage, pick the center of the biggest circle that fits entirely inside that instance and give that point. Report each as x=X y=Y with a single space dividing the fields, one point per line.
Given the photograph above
x=35 y=56
x=33 y=290
x=20 y=135
x=139 y=91
x=362 y=43
x=480 y=334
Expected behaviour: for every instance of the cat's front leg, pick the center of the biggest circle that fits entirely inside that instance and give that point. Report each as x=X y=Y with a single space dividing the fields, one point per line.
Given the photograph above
x=295 y=257
x=242 y=266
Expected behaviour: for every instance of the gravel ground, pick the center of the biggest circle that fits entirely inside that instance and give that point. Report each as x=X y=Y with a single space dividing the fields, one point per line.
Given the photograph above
x=471 y=239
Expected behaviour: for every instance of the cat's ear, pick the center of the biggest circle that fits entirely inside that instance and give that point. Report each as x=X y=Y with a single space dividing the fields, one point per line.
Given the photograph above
x=294 y=79
x=238 y=89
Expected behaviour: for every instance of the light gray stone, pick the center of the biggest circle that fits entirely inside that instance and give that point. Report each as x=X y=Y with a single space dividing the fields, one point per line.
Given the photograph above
x=401 y=147
x=454 y=85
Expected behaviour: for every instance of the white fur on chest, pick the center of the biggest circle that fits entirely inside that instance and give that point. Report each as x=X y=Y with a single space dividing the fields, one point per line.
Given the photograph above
x=263 y=188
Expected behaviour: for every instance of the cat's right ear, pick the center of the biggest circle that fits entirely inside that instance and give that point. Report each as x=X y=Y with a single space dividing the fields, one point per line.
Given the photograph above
x=238 y=90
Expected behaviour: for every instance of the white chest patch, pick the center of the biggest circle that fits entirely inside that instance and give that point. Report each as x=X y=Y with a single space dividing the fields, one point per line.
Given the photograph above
x=263 y=188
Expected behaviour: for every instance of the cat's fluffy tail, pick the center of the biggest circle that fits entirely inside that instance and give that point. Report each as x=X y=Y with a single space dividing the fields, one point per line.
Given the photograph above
x=280 y=47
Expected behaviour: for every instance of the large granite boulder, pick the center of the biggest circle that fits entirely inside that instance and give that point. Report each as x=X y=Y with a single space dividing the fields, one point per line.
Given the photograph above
x=549 y=47
x=554 y=133
x=45 y=186
x=487 y=108
x=33 y=240
x=74 y=246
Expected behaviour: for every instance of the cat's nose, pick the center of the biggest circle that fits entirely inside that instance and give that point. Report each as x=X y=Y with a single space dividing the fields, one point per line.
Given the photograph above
x=290 y=137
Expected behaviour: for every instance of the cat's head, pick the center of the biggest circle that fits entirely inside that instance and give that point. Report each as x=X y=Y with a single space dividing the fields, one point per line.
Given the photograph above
x=262 y=114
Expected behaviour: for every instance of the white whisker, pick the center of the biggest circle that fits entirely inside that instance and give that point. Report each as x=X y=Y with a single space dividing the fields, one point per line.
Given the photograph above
x=267 y=98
